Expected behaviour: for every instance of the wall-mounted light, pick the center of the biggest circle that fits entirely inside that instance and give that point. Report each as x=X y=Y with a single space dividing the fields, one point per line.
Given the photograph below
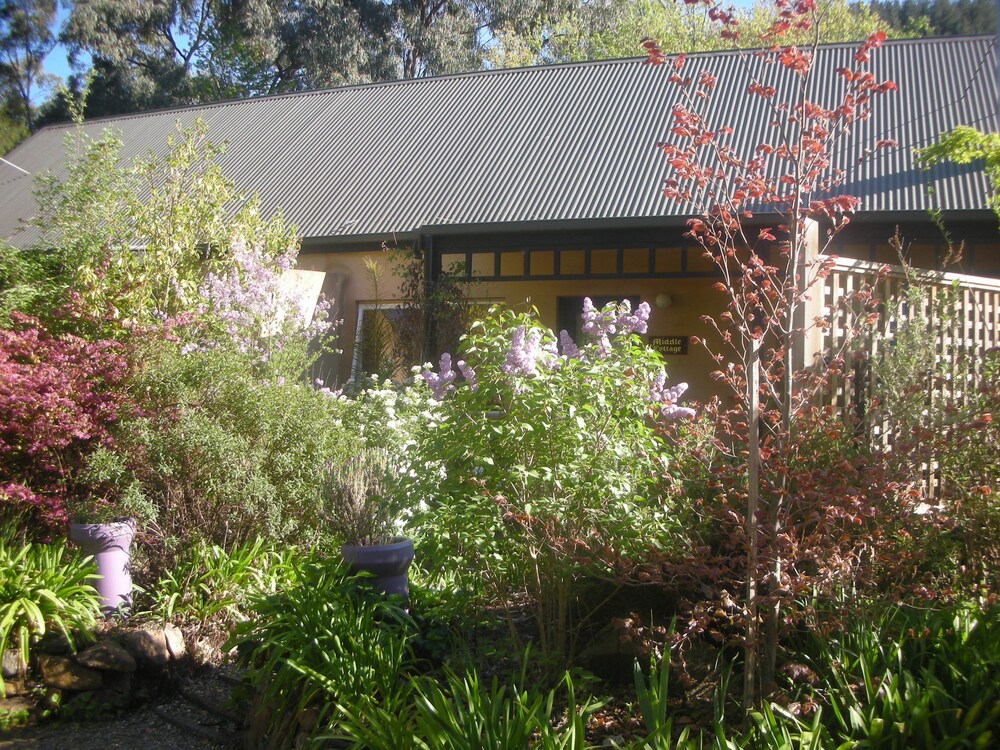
x=663 y=301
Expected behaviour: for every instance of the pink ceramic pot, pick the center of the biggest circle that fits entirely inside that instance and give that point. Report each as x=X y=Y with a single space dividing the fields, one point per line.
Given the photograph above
x=110 y=545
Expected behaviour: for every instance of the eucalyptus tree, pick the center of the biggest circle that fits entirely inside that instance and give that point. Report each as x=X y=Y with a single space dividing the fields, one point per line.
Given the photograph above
x=26 y=37
x=604 y=29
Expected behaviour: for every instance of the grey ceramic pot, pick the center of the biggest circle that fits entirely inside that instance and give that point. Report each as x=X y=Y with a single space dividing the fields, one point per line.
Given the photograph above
x=387 y=562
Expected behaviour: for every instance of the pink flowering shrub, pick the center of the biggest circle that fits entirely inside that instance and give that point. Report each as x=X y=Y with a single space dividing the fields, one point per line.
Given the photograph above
x=540 y=466
x=59 y=396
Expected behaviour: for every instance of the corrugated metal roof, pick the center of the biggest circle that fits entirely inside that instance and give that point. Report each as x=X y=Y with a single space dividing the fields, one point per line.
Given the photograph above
x=562 y=143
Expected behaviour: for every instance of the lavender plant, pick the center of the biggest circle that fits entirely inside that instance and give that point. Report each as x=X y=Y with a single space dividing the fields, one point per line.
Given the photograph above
x=543 y=467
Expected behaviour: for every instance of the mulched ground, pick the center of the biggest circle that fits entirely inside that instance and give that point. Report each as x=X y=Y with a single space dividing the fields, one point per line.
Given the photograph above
x=145 y=728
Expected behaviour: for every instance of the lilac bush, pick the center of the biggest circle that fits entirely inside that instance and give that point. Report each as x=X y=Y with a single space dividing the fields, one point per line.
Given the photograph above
x=542 y=466
x=250 y=306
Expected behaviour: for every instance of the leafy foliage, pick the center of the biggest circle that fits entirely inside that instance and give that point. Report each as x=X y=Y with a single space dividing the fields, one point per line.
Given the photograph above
x=965 y=145
x=937 y=18
x=318 y=645
x=59 y=399
x=26 y=37
x=540 y=465
x=608 y=29
x=768 y=273
x=935 y=418
x=360 y=495
x=185 y=216
x=432 y=316
x=43 y=589
x=224 y=450
x=209 y=588
x=461 y=712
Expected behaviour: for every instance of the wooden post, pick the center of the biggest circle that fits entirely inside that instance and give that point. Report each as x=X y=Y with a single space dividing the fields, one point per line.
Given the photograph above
x=808 y=346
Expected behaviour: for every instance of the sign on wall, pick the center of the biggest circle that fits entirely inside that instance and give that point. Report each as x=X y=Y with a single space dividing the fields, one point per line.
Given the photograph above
x=669 y=345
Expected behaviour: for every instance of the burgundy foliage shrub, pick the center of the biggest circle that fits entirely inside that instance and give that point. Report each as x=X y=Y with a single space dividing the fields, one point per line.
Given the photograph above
x=59 y=396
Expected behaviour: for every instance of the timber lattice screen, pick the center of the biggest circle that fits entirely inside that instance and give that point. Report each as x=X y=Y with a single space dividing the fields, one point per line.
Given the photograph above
x=960 y=315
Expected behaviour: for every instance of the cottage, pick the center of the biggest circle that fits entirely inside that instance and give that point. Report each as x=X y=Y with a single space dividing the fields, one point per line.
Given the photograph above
x=545 y=183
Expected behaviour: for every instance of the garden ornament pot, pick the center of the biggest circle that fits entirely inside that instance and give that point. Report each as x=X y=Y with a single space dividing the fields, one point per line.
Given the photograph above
x=387 y=562
x=110 y=544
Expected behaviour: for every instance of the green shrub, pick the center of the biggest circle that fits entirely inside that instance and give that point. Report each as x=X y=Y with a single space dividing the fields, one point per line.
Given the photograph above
x=226 y=451
x=936 y=414
x=43 y=589
x=538 y=469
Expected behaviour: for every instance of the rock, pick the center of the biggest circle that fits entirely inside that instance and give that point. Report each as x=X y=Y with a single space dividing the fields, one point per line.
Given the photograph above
x=119 y=682
x=13 y=665
x=12 y=688
x=175 y=641
x=55 y=642
x=108 y=655
x=203 y=652
x=148 y=646
x=112 y=699
x=65 y=674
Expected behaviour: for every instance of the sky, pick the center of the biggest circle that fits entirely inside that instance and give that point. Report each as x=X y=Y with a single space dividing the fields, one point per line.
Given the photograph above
x=57 y=62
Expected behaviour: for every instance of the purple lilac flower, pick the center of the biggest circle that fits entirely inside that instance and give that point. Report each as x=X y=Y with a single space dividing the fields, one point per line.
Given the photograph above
x=598 y=323
x=569 y=347
x=590 y=315
x=668 y=398
x=441 y=383
x=251 y=300
x=619 y=319
x=629 y=323
x=520 y=359
x=469 y=374
x=604 y=346
x=527 y=352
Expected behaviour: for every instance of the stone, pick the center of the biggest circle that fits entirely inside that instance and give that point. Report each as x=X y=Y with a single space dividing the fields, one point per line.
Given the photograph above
x=55 y=642
x=14 y=687
x=175 y=641
x=65 y=674
x=97 y=703
x=13 y=665
x=148 y=646
x=107 y=655
x=118 y=682
x=204 y=652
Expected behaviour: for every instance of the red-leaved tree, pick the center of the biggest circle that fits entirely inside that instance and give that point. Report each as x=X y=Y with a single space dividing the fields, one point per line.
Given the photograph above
x=59 y=396
x=765 y=214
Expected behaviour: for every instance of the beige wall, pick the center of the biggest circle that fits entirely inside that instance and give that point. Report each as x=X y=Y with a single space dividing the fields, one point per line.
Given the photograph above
x=348 y=284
